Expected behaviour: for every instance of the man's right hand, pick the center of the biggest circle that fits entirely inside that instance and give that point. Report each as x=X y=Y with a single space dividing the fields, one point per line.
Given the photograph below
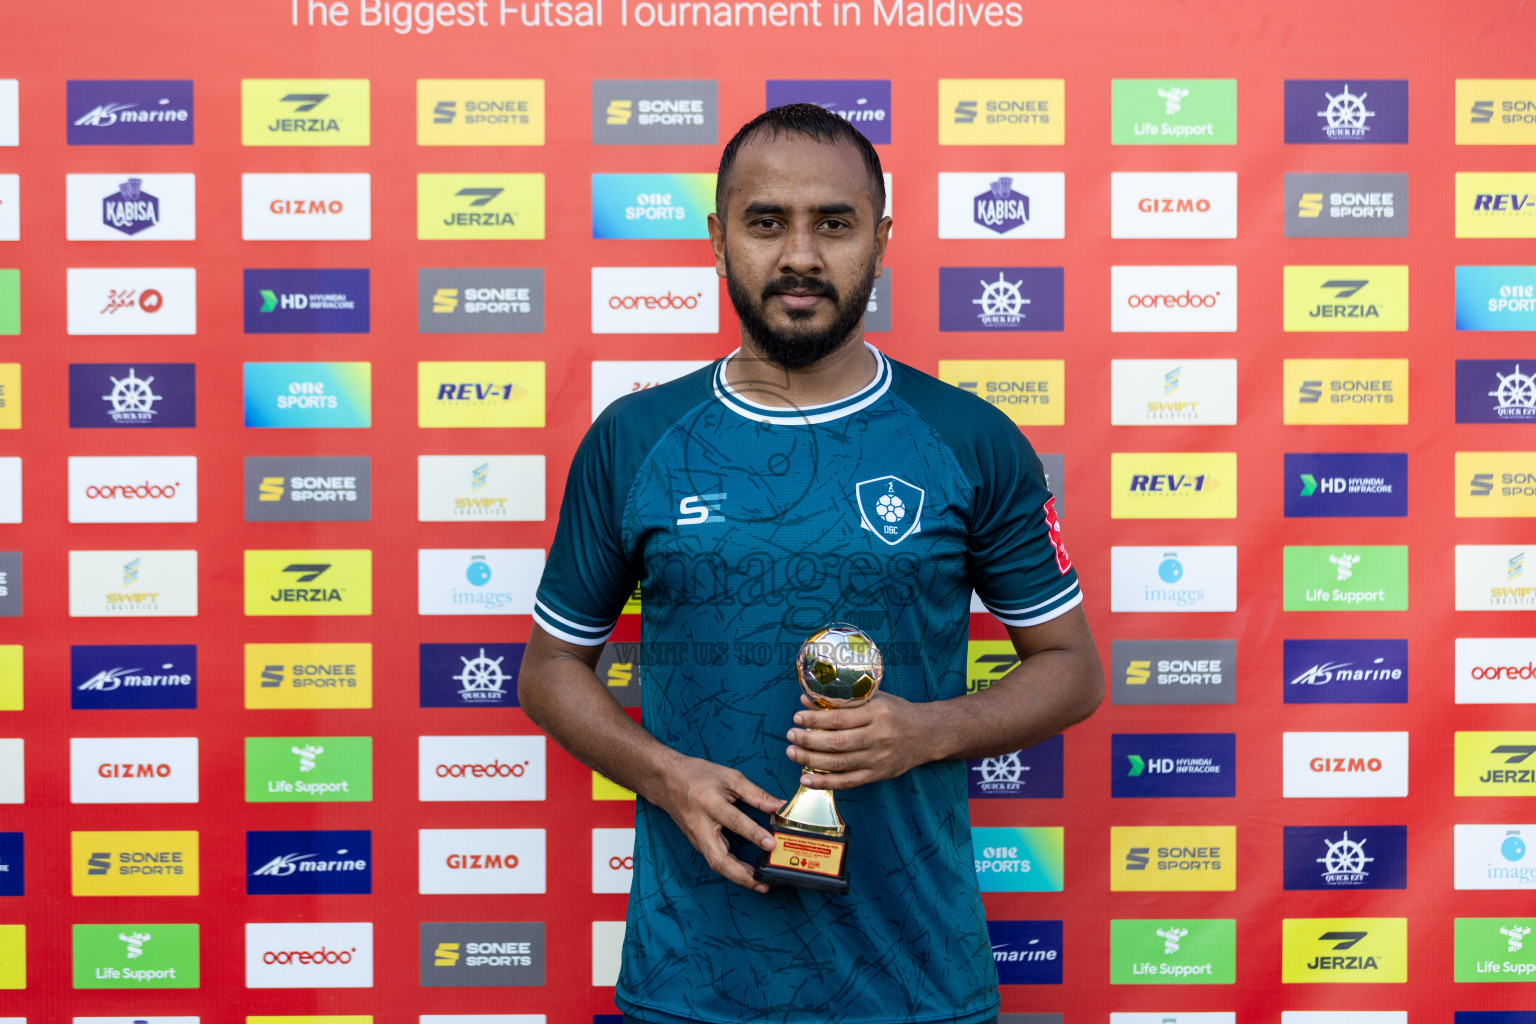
x=701 y=797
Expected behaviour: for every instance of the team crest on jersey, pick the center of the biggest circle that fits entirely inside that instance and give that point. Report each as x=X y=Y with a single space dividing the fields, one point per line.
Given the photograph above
x=891 y=507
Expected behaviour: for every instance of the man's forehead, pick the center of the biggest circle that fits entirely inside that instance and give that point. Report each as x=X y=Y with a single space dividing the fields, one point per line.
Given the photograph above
x=797 y=170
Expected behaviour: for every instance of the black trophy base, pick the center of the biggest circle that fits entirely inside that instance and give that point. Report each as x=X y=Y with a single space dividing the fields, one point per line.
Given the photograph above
x=805 y=860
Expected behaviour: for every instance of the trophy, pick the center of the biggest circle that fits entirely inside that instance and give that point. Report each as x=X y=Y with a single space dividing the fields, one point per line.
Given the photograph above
x=837 y=667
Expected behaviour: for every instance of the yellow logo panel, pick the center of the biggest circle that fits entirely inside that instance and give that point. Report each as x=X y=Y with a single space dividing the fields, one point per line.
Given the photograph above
x=304 y=112
x=1002 y=111
x=480 y=112
x=632 y=603
x=309 y=582
x=10 y=677
x=1346 y=298
x=471 y=206
x=308 y=676
x=1173 y=485
x=607 y=789
x=133 y=863
x=1496 y=112
x=1499 y=205
x=1344 y=950
x=1495 y=485
x=13 y=956
x=10 y=396
x=987 y=661
x=1496 y=764
x=1033 y=392
x=1346 y=391
x=1173 y=859
x=480 y=394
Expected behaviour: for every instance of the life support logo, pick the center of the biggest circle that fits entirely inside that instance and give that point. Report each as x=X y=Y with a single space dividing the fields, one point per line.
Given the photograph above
x=890 y=508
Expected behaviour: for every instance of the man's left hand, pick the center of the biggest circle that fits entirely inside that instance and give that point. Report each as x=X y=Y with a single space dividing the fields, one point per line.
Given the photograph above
x=880 y=739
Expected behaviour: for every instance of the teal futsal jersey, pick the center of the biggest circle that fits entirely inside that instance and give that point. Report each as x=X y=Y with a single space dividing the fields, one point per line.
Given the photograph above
x=747 y=527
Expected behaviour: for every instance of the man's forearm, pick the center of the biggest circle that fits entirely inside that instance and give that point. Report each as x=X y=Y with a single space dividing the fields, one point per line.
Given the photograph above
x=1042 y=695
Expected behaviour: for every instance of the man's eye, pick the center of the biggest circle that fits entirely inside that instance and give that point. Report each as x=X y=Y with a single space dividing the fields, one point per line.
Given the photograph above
x=834 y=225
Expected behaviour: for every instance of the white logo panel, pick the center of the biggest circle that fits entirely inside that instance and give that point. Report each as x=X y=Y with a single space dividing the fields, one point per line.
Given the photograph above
x=139 y=770
x=1173 y=1018
x=1173 y=205
x=9 y=112
x=309 y=954
x=478 y=581
x=480 y=768
x=481 y=861
x=133 y=489
x=10 y=207
x=482 y=1018
x=132 y=300
x=1335 y=1017
x=1173 y=579
x=1009 y=204
x=479 y=488
x=1176 y=299
x=10 y=489
x=132 y=584
x=613 y=859
x=1495 y=670
x=1495 y=857
x=13 y=789
x=607 y=950
x=1344 y=764
x=1172 y=392
x=131 y=206
x=1495 y=577
x=612 y=380
x=306 y=207
x=655 y=300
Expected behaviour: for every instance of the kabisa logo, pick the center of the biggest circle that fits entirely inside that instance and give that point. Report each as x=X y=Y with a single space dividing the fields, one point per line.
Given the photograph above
x=1163 y=299
x=1346 y=671
x=308 y=768
x=136 y=956
x=1495 y=205
x=1002 y=111
x=480 y=301
x=1026 y=952
x=1031 y=391
x=1346 y=857
x=1495 y=764
x=1173 y=112
x=130 y=207
x=1346 y=298
x=1496 y=484
x=308 y=863
x=140 y=395
x=619 y=667
x=652 y=205
x=479 y=206
x=1495 y=949
x=1173 y=205
x=865 y=104
x=1019 y=859
x=1344 y=764
x=482 y=954
x=1346 y=205
x=13 y=872
x=1173 y=672
x=1495 y=670
x=1173 y=859
x=1346 y=484
x=335 y=582
x=1187 y=952
x=1352 y=112
x=480 y=112
x=500 y=394
x=1006 y=204
x=1495 y=298
x=1154 y=392
x=1344 y=950
x=1173 y=485
x=306 y=207
x=469 y=675
x=308 y=489
x=308 y=394
x=1033 y=772
x=319 y=301
x=1356 y=578
x=137 y=676
x=1346 y=391
x=134 y=863
x=481 y=861
x=304 y=112
x=480 y=768
x=308 y=675
x=309 y=954
x=129 y=113
x=1495 y=112
x=998 y=209
x=629 y=112
x=1001 y=298
x=1173 y=764
x=490 y=581
x=1493 y=857
x=1190 y=579
x=1491 y=577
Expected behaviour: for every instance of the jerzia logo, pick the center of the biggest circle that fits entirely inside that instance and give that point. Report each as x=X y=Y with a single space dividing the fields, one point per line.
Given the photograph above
x=485 y=206
x=1344 y=950
x=299 y=112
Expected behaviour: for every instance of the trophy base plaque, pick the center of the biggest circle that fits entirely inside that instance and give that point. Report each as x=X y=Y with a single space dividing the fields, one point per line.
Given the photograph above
x=805 y=860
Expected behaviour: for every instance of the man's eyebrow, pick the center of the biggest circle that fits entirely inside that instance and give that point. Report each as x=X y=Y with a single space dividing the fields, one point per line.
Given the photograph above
x=764 y=207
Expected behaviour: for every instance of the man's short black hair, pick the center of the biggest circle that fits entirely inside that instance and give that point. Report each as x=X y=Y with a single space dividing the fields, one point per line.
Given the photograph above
x=807 y=119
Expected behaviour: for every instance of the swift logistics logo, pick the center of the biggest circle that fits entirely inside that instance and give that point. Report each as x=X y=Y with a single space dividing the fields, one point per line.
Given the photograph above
x=1171 y=392
x=1344 y=764
x=1173 y=765
x=1346 y=578
x=1494 y=857
x=1173 y=579
x=308 y=489
x=1026 y=952
x=1491 y=577
x=1007 y=204
x=1346 y=671
x=133 y=489
x=1173 y=858
x=479 y=112
x=1495 y=391
x=1340 y=299
x=1495 y=485
x=309 y=582
x=306 y=207
x=133 y=863
x=1032 y=392
x=468 y=488
x=480 y=394
x=480 y=861
x=1346 y=857
x=480 y=768
x=131 y=300
x=1035 y=772
x=1001 y=298
x=1182 y=952
x=129 y=113
x=1495 y=949
x=1495 y=112
x=105 y=395
x=13 y=876
x=1495 y=670
x=137 y=770
x=1353 y=112
x=308 y=863
x=132 y=584
x=459 y=207
x=1495 y=205
x=320 y=301
x=304 y=112
x=1173 y=485
x=864 y=104
x=469 y=675
x=1495 y=764
x=480 y=300
x=133 y=676
x=1496 y=298
x=1173 y=672
x=1002 y=111
x=1173 y=112
x=654 y=206
x=1019 y=859
x=289 y=769
x=1344 y=950
x=136 y=956
x=308 y=676
x=1338 y=484
x=1346 y=205
x=1346 y=391
x=1173 y=205
x=618 y=667
x=309 y=954
x=130 y=207
x=481 y=953
x=1169 y=299
x=629 y=112
x=308 y=394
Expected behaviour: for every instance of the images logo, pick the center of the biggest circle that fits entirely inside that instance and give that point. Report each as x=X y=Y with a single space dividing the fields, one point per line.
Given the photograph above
x=290 y=769
x=481 y=768
x=304 y=112
x=1344 y=764
x=139 y=489
x=1356 y=857
x=1033 y=772
x=481 y=861
x=306 y=207
x=1495 y=298
x=136 y=956
x=1019 y=859
x=133 y=863
x=1173 y=672
x=1346 y=391
x=1189 y=579
x=129 y=113
x=308 y=863
x=1173 y=485
x=1009 y=204
x=480 y=301
x=652 y=205
x=1188 y=952
x=1026 y=952
x=1177 y=299
x=1491 y=577
x=655 y=300
x=1495 y=671
x=507 y=394
x=1494 y=857
x=1166 y=112
x=479 y=206
x=1168 y=205
x=1501 y=205
x=13 y=876
x=308 y=489
x=866 y=104
x=120 y=207
x=308 y=676
x=1348 y=485
x=482 y=954
x=1002 y=111
x=1001 y=298
x=1495 y=112
x=162 y=770
x=309 y=954
x=1346 y=671
x=308 y=394
x=1495 y=764
x=1495 y=949
x=469 y=675
x=1331 y=111
x=132 y=583
x=139 y=395
x=479 y=112
x=1344 y=950
x=1173 y=859
x=658 y=113
x=1030 y=391
x=138 y=300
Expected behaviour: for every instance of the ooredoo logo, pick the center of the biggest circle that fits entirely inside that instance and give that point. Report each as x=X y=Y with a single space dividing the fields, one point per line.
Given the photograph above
x=141 y=489
x=481 y=768
x=133 y=770
x=481 y=860
x=655 y=300
x=309 y=954
x=1182 y=299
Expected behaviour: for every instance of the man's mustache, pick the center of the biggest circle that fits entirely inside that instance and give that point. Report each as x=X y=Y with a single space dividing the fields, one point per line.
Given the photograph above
x=802 y=285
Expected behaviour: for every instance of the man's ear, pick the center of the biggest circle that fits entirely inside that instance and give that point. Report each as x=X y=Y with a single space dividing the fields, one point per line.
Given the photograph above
x=717 y=242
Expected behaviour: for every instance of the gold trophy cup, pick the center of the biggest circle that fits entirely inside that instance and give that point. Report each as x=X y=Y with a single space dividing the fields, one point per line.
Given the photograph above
x=837 y=667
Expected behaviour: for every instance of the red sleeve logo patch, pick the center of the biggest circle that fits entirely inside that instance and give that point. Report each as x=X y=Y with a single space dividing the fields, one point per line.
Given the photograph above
x=1053 y=533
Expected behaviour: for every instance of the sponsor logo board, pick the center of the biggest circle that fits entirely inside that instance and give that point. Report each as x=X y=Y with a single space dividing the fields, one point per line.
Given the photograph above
x=1341 y=299
x=13 y=774
x=136 y=956
x=129 y=113
x=1344 y=764
x=131 y=300
x=1182 y=579
x=306 y=207
x=308 y=489
x=1173 y=112
x=479 y=112
x=1495 y=857
x=11 y=666
x=1019 y=859
x=1199 y=204
x=1346 y=391
x=1495 y=299
x=1495 y=949
x=480 y=300
x=1347 y=113
x=1352 y=205
x=1344 y=950
x=10 y=301
x=1173 y=672
x=310 y=676
x=1494 y=670
x=1173 y=485
x=618 y=667
x=1346 y=857
x=655 y=300
x=1495 y=485
x=500 y=394
x=1002 y=111
x=309 y=582
x=1026 y=952
x=481 y=861
x=1173 y=765
x=470 y=675
x=1032 y=392
x=130 y=207
x=1183 y=952
x=480 y=768
x=470 y=488
x=482 y=953
x=1495 y=112
x=1008 y=204
x=318 y=301
x=1495 y=205
x=10 y=489
x=1346 y=671
x=458 y=207
x=308 y=862
x=10 y=207
x=652 y=205
x=304 y=112
x=632 y=112
x=613 y=380
x=309 y=954
x=133 y=863
x=1340 y=484
x=1171 y=392
x=1172 y=299
x=10 y=396
x=1173 y=858
x=139 y=770
x=1346 y=578
x=308 y=394
x=288 y=769
x=1495 y=764
x=483 y=581
x=128 y=584
x=1491 y=577
x=1001 y=298
x=1033 y=773
x=130 y=395
x=133 y=489
x=9 y=116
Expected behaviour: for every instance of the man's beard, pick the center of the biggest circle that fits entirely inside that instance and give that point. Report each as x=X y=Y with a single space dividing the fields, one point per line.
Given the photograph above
x=797 y=349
